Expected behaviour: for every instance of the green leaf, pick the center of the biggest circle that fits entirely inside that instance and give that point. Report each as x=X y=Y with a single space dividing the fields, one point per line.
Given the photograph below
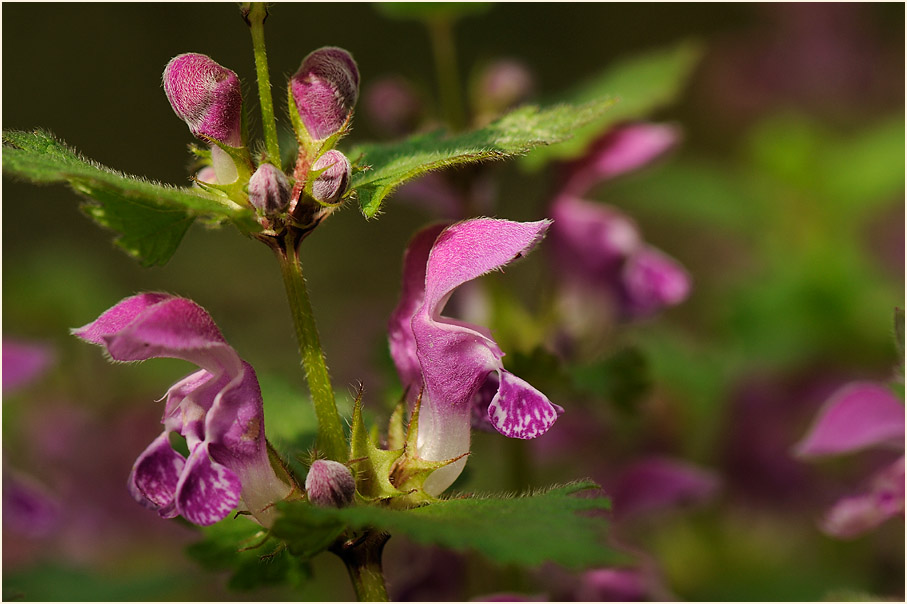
x=528 y=530
x=150 y=218
x=516 y=133
x=264 y=563
x=639 y=84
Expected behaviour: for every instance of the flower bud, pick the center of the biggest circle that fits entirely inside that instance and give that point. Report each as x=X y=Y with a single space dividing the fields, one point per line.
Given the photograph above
x=269 y=189
x=206 y=96
x=325 y=89
x=330 y=185
x=330 y=484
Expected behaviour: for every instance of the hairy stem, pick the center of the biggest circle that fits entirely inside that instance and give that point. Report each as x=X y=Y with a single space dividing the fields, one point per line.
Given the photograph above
x=256 y=18
x=443 y=47
x=331 y=439
x=363 y=562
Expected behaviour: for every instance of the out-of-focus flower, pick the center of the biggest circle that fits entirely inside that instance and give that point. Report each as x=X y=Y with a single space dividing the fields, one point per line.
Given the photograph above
x=656 y=483
x=218 y=409
x=500 y=86
x=393 y=106
x=23 y=363
x=858 y=416
x=29 y=508
x=447 y=361
x=606 y=269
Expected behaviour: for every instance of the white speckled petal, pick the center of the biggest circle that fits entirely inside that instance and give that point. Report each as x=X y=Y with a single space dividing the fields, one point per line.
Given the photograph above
x=208 y=491
x=520 y=411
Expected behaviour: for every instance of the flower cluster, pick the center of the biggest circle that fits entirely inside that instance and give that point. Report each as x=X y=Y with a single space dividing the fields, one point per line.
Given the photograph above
x=321 y=94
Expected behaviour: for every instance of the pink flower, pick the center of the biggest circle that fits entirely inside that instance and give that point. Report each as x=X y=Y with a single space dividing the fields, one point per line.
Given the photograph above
x=218 y=410
x=448 y=361
x=858 y=416
x=599 y=250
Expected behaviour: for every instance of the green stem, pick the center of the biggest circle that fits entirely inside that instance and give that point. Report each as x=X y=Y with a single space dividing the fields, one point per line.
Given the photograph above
x=331 y=439
x=363 y=562
x=442 y=43
x=256 y=18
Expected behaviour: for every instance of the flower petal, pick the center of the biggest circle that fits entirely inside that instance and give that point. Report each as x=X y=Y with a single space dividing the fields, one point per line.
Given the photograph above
x=853 y=516
x=621 y=150
x=207 y=490
x=156 y=473
x=520 y=411
x=859 y=415
x=400 y=332
x=467 y=250
x=159 y=325
x=651 y=281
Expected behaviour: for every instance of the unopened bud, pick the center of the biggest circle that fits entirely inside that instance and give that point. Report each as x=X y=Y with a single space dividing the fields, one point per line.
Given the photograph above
x=330 y=185
x=325 y=89
x=330 y=484
x=206 y=96
x=269 y=189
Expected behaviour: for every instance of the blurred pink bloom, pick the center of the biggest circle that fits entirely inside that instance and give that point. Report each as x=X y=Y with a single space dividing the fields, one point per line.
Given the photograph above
x=24 y=362
x=858 y=416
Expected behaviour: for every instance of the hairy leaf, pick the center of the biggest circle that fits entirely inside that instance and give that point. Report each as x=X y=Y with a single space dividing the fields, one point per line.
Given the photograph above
x=517 y=133
x=547 y=526
x=150 y=218
x=639 y=84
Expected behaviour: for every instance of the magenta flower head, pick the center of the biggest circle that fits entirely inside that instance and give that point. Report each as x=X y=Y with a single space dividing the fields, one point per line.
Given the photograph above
x=218 y=410
x=620 y=150
x=325 y=89
x=448 y=361
x=206 y=96
x=334 y=177
x=858 y=416
x=330 y=484
x=269 y=189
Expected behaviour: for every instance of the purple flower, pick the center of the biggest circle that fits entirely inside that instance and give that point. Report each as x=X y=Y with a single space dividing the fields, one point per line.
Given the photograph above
x=28 y=507
x=447 y=361
x=654 y=484
x=858 y=416
x=598 y=250
x=23 y=363
x=393 y=105
x=218 y=410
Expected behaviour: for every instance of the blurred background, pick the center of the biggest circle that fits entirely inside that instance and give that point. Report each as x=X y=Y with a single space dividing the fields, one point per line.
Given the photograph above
x=784 y=201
